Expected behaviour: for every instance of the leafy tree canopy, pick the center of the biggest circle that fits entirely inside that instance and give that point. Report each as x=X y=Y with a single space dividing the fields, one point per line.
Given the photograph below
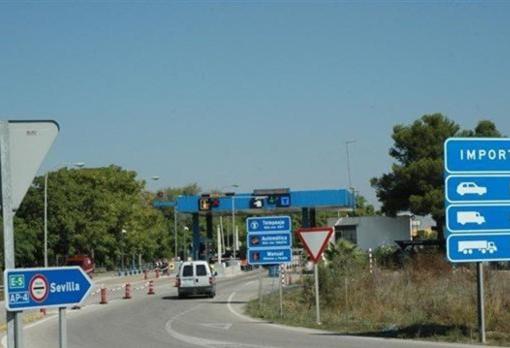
x=416 y=182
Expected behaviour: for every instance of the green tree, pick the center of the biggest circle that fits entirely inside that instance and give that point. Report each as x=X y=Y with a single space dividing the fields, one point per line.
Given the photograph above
x=416 y=181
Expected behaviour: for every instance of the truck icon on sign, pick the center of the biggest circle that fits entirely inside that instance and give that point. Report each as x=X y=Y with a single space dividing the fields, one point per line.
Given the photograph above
x=470 y=217
x=483 y=246
x=470 y=188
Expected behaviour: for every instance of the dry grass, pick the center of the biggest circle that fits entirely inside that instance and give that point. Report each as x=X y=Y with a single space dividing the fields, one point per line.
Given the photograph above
x=427 y=299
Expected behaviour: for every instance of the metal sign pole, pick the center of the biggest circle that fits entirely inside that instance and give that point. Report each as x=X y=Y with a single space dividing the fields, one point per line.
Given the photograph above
x=317 y=306
x=62 y=327
x=260 y=286
x=281 y=290
x=13 y=339
x=481 y=312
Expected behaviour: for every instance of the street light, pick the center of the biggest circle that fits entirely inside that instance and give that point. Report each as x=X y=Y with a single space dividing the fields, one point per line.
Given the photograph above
x=78 y=165
x=349 y=169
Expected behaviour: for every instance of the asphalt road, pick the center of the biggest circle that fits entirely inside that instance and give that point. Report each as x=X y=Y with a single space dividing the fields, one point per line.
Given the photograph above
x=163 y=320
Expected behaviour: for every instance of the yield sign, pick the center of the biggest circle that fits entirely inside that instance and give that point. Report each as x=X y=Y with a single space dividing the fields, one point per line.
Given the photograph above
x=315 y=240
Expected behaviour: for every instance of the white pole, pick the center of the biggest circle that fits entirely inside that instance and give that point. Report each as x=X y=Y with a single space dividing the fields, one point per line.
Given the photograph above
x=62 y=325
x=236 y=243
x=12 y=318
x=222 y=234
x=317 y=305
x=234 y=226
x=218 y=240
x=46 y=220
x=175 y=233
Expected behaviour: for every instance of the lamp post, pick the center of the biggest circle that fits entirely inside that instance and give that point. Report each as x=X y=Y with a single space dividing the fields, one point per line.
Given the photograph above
x=78 y=165
x=349 y=169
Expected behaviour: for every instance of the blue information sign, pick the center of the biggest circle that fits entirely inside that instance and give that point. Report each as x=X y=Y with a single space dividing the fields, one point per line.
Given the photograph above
x=269 y=256
x=31 y=288
x=477 y=199
x=478 y=248
x=269 y=240
x=482 y=155
x=478 y=188
x=268 y=224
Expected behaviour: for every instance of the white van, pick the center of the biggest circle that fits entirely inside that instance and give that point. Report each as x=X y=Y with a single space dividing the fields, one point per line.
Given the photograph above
x=195 y=278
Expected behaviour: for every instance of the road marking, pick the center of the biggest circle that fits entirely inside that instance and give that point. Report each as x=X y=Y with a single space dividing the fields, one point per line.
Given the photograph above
x=204 y=342
x=223 y=326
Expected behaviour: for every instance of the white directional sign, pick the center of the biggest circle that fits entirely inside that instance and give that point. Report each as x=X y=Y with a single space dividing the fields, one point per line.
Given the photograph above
x=315 y=240
x=29 y=141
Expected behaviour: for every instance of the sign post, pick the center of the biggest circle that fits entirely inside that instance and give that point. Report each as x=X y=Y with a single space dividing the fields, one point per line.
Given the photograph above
x=477 y=200
x=269 y=241
x=23 y=146
x=315 y=240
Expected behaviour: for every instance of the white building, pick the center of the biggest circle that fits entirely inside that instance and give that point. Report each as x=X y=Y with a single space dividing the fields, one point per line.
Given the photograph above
x=373 y=231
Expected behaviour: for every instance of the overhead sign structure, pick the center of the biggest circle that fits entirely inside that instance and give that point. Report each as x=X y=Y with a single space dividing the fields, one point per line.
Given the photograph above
x=269 y=240
x=477 y=199
x=32 y=288
x=315 y=240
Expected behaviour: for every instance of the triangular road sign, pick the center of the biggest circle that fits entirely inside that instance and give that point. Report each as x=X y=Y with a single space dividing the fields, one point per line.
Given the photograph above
x=29 y=141
x=315 y=240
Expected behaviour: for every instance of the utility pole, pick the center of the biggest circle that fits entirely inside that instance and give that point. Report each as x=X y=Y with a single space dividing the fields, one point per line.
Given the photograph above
x=349 y=178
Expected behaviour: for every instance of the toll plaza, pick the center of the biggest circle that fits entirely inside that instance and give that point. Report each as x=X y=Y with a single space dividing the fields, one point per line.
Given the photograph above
x=258 y=202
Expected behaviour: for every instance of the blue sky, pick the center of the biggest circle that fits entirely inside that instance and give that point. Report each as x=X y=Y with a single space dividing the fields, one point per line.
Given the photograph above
x=262 y=94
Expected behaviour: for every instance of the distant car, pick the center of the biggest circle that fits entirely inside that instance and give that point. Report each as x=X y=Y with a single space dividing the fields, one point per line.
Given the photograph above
x=195 y=278
x=470 y=188
x=83 y=261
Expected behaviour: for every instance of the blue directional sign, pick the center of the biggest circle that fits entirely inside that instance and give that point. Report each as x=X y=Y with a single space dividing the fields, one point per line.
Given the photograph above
x=31 y=288
x=478 y=248
x=268 y=224
x=269 y=240
x=477 y=199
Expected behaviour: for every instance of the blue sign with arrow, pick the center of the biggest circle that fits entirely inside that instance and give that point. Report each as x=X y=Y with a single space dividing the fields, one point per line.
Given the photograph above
x=32 y=288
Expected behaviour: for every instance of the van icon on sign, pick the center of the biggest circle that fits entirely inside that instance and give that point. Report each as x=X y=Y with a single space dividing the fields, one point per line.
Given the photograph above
x=470 y=217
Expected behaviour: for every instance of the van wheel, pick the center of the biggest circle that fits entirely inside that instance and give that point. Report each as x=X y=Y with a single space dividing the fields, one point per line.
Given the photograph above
x=181 y=295
x=212 y=294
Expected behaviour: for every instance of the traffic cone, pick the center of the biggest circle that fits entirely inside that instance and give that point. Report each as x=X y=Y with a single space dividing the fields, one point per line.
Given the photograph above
x=103 y=296
x=151 y=288
x=127 y=292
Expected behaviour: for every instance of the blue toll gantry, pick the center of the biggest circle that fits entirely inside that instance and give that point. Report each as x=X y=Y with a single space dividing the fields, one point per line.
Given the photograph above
x=262 y=201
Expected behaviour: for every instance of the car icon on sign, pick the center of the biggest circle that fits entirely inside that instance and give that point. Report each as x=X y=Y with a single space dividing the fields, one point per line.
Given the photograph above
x=470 y=188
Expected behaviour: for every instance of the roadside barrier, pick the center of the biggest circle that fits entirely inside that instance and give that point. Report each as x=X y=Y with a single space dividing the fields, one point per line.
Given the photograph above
x=127 y=292
x=151 y=288
x=103 y=296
